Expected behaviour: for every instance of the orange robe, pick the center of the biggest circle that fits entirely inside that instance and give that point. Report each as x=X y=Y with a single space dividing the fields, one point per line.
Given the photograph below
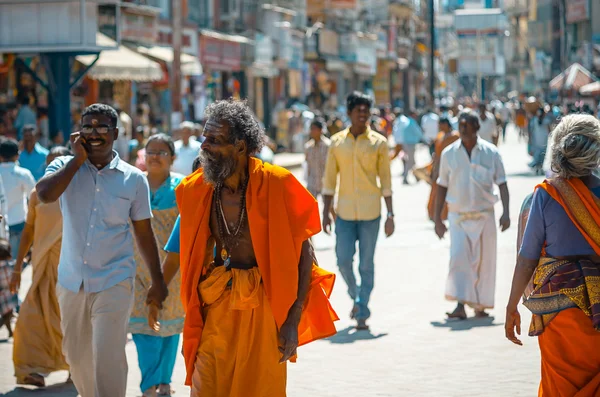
x=441 y=143
x=281 y=216
x=569 y=343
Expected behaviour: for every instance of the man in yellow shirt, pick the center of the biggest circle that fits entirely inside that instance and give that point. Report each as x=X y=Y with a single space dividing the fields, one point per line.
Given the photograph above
x=360 y=156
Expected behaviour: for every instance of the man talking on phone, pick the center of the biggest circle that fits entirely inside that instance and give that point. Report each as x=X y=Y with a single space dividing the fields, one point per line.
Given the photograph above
x=99 y=193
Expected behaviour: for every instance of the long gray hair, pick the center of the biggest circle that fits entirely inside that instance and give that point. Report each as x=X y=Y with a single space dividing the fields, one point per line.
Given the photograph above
x=576 y=146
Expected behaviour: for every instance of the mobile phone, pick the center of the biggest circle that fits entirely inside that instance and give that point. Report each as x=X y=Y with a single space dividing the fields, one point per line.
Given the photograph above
x=85 y=145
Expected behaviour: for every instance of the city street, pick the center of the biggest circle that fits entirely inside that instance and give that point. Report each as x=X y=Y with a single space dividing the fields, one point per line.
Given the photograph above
x=410 y=350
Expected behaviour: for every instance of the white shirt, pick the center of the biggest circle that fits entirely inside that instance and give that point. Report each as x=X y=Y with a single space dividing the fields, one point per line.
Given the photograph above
x=185 y=156
x=470 y=181
x=121 y=144
x=430 y=123
x=4 y=211
x=18 y=184
x=488 y=129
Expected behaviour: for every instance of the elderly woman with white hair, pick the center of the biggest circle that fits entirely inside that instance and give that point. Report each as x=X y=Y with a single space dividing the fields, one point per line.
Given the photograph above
x=558 y=265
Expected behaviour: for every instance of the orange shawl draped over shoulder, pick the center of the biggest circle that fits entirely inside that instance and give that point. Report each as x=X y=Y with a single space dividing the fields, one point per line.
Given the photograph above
x=565 y=297
x=281 y=216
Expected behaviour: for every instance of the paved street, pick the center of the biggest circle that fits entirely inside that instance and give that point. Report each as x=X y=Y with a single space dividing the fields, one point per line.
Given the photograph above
x=411 y=350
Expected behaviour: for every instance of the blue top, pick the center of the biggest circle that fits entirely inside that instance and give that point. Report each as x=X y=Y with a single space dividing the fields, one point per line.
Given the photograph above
x=25 y=116
x=164 y=197
x=34 y=161
x=407 y=131
x=548 y=222
x=173 y=243
x=97 y=247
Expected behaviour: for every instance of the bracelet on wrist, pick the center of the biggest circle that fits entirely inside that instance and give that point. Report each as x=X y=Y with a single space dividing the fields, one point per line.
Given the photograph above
x=390 y=215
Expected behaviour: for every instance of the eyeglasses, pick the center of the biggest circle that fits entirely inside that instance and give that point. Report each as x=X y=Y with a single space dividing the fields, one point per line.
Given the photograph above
x=162 y=153
x=102 y=130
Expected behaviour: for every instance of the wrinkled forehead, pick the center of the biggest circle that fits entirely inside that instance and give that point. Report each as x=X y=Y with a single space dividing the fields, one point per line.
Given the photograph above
x=216 y=127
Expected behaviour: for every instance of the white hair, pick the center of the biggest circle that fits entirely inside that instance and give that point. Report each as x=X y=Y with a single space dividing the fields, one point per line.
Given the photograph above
x=576 y=146
x=186 y=124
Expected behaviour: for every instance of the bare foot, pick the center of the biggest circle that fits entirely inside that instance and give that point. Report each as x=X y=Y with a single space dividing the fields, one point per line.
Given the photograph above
x=34 y=380
x=481 y=314
x=458 y=313
x=151 y=392
x=164 y=390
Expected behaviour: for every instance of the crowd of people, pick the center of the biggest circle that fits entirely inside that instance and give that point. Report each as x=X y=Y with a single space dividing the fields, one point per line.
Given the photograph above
x=223 y=250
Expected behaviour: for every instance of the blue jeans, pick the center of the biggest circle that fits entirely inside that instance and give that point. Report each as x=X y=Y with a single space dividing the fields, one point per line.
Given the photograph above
x=347 y=234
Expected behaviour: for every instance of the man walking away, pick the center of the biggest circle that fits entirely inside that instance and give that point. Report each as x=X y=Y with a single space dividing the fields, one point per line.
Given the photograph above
x=469 y=168
x=316 y=150
x=488 y=129
x=359 y=156
x=18 y=183
x=99 y=195
x=430 y=125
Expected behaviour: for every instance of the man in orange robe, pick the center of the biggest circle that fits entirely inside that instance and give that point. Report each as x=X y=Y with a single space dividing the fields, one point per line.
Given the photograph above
x=249 y=281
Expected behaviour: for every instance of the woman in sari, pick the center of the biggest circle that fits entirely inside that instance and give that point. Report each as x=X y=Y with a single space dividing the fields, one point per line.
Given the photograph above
x=37 y=346
x=157 y=350
x=558 y=265
x=444 y=139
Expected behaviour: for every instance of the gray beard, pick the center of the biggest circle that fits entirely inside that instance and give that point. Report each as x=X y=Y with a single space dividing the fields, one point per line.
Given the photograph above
x=216 y=170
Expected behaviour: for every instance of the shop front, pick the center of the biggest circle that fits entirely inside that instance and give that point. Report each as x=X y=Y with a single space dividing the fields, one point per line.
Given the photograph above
x=360 y=51
x=221 y=58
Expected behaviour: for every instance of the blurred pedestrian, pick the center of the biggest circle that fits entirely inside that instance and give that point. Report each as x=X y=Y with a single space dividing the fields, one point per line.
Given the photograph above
x=33 y=156
x=488 y=128
x=361 y=158
x=430 y=126
x=446 y=137
x=244 y=305
x=157 y=350
x=557 y=268
x=9 y=301
x=315 y=152
x=103 y=199
x=186 y=149
x=25 y=116
x=469 y=169
x=407 y=135
x=18 y=184
x=37 y=345
x=540 y=131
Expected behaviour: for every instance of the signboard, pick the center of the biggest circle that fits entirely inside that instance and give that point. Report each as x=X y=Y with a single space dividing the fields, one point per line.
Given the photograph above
x=107 y=20
x=578 y=10
x=263 y=50
x=189 y=39
x=139 y=26
x=328 y=43
x=343 y=4
x=220 y=54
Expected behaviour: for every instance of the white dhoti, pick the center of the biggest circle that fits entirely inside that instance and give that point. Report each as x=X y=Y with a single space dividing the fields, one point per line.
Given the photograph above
x=472 y=274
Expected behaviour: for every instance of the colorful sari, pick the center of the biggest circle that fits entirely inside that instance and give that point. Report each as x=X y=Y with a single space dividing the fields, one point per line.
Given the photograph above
x=442 y=141
x=157 y=351
x=564 y=297
x=37 y=345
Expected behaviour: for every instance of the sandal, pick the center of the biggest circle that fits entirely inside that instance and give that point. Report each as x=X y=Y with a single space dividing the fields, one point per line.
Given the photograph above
x=34 y=380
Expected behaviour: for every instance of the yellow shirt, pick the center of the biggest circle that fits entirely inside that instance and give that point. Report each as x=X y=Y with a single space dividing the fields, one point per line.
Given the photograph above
x=358 y=161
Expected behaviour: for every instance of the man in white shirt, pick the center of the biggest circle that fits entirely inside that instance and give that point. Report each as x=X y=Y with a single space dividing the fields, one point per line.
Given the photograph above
x=186 y=149
x=488 y=129
x=469 y=169
x=430 y=123
x=125 y=125
x=18 y=183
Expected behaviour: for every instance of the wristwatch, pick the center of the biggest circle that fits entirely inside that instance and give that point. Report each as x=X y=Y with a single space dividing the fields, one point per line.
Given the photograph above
x=390 y=215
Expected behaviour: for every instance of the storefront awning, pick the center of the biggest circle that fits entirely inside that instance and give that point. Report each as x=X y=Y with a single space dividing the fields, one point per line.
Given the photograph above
x=120 y=64
x=190 y=65
x=575 y=77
